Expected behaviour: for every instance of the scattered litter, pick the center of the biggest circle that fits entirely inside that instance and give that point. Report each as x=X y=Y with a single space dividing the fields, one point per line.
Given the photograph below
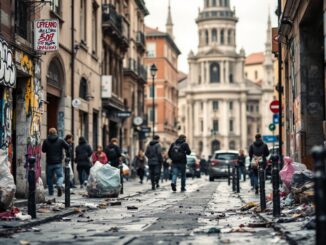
x=260 y=225
x=311 y=225
x=24 y=242
x=214 y=230
x=23 y=217
x=103 y=205
x=242 y=225
x=114 y=229
x=225 y=241
x=43 y=210
x=50 y=201
x=35 y=229
x=241 y=230
x=116 y=203
x=90 y=205
x=248 y=206
x=66 y=219
x=8 y=215
x=77 y=210
x=132 y=207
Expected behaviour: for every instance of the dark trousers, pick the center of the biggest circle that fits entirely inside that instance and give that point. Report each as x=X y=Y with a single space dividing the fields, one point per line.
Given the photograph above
x=141 y=173
x=155 y=172
x=83 y=173
x=179 y=169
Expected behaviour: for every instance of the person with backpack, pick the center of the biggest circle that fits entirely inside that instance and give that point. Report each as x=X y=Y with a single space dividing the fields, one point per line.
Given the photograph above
x=113 y=153
x=139 y=163
x=155 y=160
x=83 y=154
x=177 y=153
x=258 y=151
x=242 y=164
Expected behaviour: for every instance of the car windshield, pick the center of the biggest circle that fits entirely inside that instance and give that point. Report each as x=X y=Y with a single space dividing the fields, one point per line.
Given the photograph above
x=226 y=156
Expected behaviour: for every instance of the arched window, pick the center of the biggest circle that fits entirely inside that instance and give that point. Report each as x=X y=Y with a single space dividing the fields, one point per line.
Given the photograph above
x=83 y=88
x=232 y=145
x=54 y=75
x=229 y=37
x=214 y=35
x=214 y=3
x=216 y=145
x=206 y=37
x=200 y=147
x=214 y=72
x=222 y=36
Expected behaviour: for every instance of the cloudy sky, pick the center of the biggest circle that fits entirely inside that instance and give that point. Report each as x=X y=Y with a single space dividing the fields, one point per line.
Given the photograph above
x=251 y=28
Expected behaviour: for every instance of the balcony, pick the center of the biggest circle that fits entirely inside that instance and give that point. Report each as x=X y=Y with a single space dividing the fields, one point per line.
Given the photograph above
x=115 y=26
x=140 y=40
x=209 y=15
x=138 y=70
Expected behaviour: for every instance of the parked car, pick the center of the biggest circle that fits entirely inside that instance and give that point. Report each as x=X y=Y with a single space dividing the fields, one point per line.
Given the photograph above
x=219 y=163
x=193 y=166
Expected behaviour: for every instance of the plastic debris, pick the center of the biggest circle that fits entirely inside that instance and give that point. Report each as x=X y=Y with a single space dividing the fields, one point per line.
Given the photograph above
x=132 y=207
x=90 y=205
x=248 y=206
x=7 y=184
x=22 y=217
x=214 y=230
x=8 y=215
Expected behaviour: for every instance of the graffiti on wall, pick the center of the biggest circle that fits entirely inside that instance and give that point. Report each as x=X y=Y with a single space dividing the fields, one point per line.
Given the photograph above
x=7 y=66
x=33 y=108
x=5 y=118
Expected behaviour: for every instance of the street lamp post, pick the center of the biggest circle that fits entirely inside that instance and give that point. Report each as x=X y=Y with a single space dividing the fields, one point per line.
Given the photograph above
x=153 y=73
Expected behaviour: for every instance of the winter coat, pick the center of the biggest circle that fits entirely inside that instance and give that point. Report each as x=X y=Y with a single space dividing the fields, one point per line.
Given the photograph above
x=83 y=153
x=102 y=158
x=258 y=148
x=139 y=162
x=184 y=148
x=154 y=153
x=114 y=159
x=241 y=160
x=53 y=147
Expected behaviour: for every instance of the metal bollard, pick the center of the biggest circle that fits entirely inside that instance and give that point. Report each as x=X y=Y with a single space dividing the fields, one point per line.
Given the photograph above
x=237 y=168
x=318 y=153
x=276 y=184
x=233 y=178
x=229 y=174
x=244 y=173
x=262 y=186
x=67 y=183
x=121 y=178
x=31 y=203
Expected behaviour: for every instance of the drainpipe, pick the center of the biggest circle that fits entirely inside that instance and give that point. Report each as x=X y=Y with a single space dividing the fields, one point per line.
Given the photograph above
x=72 y=70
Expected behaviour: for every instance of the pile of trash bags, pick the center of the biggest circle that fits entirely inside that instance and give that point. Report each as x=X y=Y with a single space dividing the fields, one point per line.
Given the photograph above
x=7 y=184
x=103 y=181
x=297 y=182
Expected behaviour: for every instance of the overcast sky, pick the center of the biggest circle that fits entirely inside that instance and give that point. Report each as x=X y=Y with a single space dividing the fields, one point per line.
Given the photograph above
x=251 y=28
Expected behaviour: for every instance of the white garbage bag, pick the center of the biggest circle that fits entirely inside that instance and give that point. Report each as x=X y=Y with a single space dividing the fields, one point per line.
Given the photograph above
x=40 y=192
x=103 y=180
x=7 y=184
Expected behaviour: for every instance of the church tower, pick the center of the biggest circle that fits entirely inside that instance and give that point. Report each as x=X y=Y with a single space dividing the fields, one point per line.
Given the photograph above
x=169 y=23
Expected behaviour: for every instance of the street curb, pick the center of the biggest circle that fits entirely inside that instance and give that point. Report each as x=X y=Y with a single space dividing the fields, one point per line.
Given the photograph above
x=277 y=227
x=9 y=231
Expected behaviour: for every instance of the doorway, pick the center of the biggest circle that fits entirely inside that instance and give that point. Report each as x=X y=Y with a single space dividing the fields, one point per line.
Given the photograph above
x=52 y=111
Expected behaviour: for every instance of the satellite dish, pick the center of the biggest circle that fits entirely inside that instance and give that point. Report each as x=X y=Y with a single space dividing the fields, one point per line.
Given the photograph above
x=76 y=103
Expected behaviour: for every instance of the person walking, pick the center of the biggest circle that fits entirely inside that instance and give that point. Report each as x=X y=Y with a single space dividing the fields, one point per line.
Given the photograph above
x=99 y=156
x=83 y=154
x=139 y=163
x=113 y=153
x=53 y=147
x=242 y=164
x=177 y=153
x=258 y=151
x=69 y=138
x=203 y=165
x=166 y=167
x=154 y=155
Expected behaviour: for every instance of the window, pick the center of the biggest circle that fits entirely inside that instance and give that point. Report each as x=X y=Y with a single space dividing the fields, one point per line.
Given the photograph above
x=206 y=3
x=151 y=114
x=83 y=93
x=56 y=6
x=231 y=125
x=83 y=20
x=201 y=125
x=222 y=36
x=21 y=18
x=256 y=75
x=151 y=91
x=221 y=2
x=214 y=35
x=257 y=108
x=229 y=37
x=83 y=124
x=54 y=75
x=214 y=73
x=206 y=37
x=232 y=145
x=214 y=3
x=94 y=30
x=215 y=125
x=151 y=50
x=201 y=105
x=231 y=105
x=215 y=105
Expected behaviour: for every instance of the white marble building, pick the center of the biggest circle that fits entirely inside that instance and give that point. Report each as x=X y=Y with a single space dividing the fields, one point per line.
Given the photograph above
x=218 y=107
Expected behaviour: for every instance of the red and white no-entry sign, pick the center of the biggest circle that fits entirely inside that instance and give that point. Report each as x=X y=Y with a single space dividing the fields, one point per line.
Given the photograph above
x=274 y=106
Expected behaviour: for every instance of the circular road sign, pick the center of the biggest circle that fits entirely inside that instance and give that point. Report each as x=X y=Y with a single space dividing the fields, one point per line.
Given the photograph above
x=138 y=121
x=274 y=106
x=271 y=127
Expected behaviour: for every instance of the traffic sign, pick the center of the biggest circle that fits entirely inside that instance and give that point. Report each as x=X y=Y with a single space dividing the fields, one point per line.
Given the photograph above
x=145 y=130
x=124 y=114
x=271 y=127
x=276 y=119
x=270 y=138
x=274 y=106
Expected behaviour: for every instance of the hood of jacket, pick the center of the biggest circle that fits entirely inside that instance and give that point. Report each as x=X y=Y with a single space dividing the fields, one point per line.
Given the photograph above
x=153 y=142
x=258 y=143
x=82 y=140
x=179 y=141
x=53 y=137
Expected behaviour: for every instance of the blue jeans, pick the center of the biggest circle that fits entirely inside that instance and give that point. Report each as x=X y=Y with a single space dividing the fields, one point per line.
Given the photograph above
x=255 y=181
x=51 y=170
x=166 y=174
x=176 y=169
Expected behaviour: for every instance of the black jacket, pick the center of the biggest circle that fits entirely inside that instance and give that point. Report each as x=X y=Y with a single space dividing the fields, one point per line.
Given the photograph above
x=258 y=148
x=114 y=159
x=184 y=147
x=83 y=153
x=154 y=153
x=53 y=146
x=241 y=160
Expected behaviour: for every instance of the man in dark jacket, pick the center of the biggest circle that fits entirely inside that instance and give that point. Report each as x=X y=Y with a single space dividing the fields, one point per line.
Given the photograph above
x=257 y=150
x=177 y=153
x=53 y=146
x=83 y=154
x=113 y=153
x=155 y=160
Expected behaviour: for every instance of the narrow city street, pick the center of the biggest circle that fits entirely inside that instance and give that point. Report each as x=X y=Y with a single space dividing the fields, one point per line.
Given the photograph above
x=208 y=213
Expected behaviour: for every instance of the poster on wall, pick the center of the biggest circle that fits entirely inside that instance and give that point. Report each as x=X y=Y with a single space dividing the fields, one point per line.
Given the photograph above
x=46 y=35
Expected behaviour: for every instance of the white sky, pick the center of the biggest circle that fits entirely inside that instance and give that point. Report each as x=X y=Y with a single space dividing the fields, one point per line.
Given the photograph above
x=251 y=28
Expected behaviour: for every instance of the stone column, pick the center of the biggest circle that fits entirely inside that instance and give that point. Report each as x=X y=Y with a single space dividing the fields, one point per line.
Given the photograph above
x=224 y=125
x=207 y=72
x=205 y=131
x=227 y=71
x=202 y=72
x=243 y=118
